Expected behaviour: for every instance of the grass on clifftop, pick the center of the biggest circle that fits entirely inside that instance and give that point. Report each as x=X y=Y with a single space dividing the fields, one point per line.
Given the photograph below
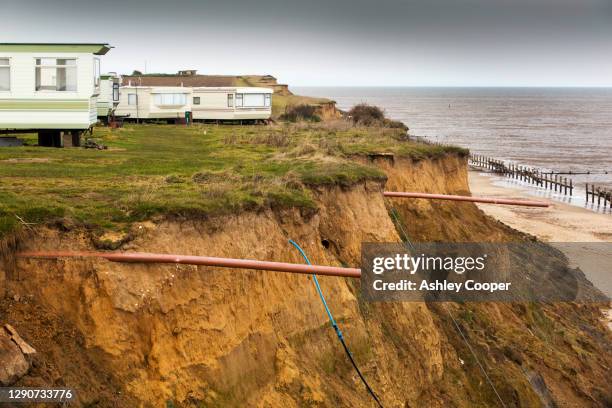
x=280 y=102
x=152 y=170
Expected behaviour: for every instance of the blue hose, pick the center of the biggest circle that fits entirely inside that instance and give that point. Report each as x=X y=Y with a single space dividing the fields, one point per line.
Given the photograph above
x=335 y=325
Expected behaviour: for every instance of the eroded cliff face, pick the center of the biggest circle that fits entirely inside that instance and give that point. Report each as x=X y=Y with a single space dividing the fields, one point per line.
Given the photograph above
x=328 y=111
x=144 y=335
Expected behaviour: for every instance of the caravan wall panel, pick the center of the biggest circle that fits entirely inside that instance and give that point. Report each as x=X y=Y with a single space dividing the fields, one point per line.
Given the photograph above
x=23 y=107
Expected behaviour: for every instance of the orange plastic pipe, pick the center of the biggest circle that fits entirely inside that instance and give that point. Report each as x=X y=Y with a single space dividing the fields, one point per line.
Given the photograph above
x=141 y=257
x=526 y=203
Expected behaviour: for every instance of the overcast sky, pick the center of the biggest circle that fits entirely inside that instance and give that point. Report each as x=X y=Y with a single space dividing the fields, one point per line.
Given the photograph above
x=338 y=42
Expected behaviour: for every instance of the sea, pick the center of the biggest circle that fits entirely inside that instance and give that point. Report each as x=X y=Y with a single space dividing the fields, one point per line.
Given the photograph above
x=555 y=129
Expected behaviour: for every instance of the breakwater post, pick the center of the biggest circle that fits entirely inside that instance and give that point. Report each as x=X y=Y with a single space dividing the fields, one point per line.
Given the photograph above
x=601 y=194
x=546 y=179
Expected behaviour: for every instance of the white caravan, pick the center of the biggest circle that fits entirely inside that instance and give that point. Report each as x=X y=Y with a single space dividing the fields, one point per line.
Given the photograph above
x=50 y=88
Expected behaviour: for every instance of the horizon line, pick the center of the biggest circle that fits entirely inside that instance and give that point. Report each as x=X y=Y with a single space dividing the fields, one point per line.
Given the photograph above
x=459 y=86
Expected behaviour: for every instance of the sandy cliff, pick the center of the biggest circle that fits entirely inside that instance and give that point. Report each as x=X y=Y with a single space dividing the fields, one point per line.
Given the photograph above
x=149 y=335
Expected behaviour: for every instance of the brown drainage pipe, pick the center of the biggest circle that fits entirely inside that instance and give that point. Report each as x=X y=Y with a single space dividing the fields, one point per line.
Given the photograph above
x=139 y=257
x=466 y=198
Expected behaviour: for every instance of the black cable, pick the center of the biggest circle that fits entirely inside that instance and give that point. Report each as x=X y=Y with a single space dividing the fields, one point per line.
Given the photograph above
x=370 y=390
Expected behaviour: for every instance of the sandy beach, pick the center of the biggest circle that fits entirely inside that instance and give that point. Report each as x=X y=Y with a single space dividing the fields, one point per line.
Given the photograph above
x=559 y=224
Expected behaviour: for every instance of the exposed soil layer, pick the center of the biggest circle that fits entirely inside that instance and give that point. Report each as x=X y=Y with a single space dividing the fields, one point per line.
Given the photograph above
x=184 y=336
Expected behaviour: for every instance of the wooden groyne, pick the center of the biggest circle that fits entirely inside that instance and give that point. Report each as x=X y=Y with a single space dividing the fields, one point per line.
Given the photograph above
x=531 y=175
x=603 y=196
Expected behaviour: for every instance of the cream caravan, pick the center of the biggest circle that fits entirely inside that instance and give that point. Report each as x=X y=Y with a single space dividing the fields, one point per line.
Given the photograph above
x=231 y=103
x=213 y=97
x=154 y=102
x=50 y=89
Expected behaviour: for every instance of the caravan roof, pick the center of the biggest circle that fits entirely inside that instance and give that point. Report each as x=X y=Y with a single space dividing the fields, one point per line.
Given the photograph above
x=94 y=48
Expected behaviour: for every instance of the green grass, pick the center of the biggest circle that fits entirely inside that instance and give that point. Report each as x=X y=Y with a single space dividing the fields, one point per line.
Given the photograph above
x=198 y=171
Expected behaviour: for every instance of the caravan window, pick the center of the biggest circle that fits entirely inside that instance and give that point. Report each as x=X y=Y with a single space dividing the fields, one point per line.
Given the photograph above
x=230 y=100
x=254 y=100
x=196 y=100
x=115 y=92
x=56 y=74
x=170 y=99
x=5 y=74
x=132 y=99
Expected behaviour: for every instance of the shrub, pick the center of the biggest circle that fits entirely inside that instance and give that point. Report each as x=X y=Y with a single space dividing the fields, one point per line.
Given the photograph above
x=370 y=115
x=366 y=115
x=302 y=112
